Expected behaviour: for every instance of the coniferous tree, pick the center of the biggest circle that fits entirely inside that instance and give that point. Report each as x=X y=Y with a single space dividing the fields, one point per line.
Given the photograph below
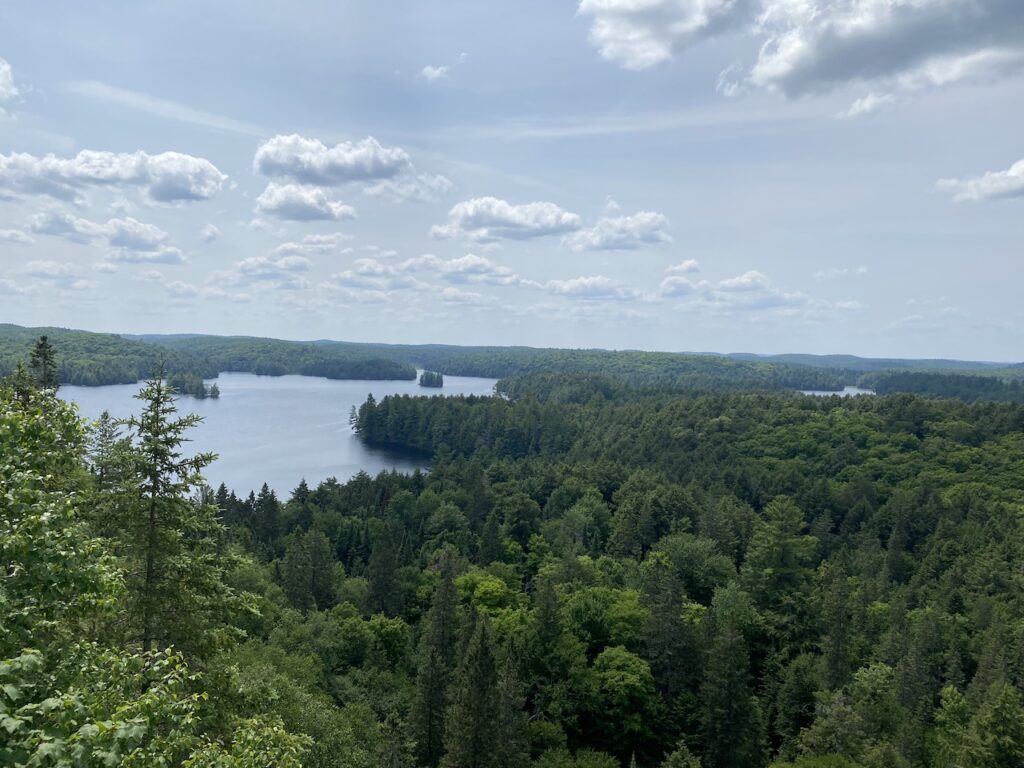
x=490 y=548
x=434 y=667
x=297 y=573
x=43 y=364
x=382 y=572
x=175 y=573
x=732 y=726
x=321 y=563
x=473 y=725
x=513 y=748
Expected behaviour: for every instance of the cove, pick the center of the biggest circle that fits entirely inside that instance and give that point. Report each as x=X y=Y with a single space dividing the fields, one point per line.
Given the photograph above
x=280 y=429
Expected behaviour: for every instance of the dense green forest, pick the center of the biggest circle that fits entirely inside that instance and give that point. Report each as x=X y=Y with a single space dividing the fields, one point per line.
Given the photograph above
x=93 y=359
x=431 y=379
x=591 y=575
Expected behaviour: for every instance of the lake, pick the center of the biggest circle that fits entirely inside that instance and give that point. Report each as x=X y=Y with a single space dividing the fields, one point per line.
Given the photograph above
x=280 y=429
x=845 y=392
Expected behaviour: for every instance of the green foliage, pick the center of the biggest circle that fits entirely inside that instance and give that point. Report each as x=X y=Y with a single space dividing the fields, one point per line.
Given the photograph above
x=431 y=379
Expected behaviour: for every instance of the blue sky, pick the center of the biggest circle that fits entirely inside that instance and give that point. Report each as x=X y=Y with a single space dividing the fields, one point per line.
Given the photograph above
x=728 y=175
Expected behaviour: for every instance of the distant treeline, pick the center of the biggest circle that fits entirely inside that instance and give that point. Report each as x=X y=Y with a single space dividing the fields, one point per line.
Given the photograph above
x=956 y=385
x=95 y=359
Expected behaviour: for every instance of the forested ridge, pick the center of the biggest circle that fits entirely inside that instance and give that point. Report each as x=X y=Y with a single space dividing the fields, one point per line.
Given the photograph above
x=94 y=359
x=590 y=576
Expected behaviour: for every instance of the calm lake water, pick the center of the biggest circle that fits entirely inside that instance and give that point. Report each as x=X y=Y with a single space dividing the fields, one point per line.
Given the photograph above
x=845 y=392
x=280 y=429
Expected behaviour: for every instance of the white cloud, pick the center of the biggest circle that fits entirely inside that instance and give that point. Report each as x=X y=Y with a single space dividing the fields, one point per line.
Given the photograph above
x=683 y=268
x=262 y=269
x=15 y=236
x=641 y=33
x=432 y=74
x=310 y=161
x=312 y=244
x=452 y=295
x=60 y=274
x=209 y=233
x=8 y=90
x=166 y=177
x=622 y=233
x=994 y=185
x=488 y=219
x=836 y=272
x=592 y=288
x=166 y=254
x=294 y=202
x=675 y=286
x=465 y=269
x=422 y=187
x=814 y=47
x=131 y=241
x=748 y=281
x=867 y=105
x=808 y=46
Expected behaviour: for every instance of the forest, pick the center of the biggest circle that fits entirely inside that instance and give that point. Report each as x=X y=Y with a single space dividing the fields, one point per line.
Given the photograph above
x=590 y=575
x=93 y=359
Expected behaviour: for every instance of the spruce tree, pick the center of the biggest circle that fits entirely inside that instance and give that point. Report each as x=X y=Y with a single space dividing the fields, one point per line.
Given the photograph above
x=43 y=364
x=434 y=667
x=169 y=541
x=513 y=749
x=297 y=573
x=473 y=725
x=732 y=725
x=382 y=572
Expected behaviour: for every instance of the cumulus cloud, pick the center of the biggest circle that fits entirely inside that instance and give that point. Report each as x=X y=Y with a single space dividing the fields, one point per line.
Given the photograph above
x=431 y=74
x=465 y=269
x=675 y=286
x=371 y=281
x=592 y=288
x=893 y=46
x=281 y=270
x=8 y=90
x=751 y=291
x=312 y=244
x=423 y=187
x=60 y=274
x=310 y=161
x=641 y=33
x=994 y=185
x=683 y=268
x=295 y=202
x=816 y=47
x=15 y=236
x=131 y=241
x=622 y=233
x=488 y=219
x=209 y=233
x=166 y=177
x=748 y=281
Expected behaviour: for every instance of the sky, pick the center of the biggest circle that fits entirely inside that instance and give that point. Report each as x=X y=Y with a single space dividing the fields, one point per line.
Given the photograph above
x=824 y=176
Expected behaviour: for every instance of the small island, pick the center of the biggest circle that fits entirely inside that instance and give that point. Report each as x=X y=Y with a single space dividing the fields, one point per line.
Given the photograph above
x=431 y=379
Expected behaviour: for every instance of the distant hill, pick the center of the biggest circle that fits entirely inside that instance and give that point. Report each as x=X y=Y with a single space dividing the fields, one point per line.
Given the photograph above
x=95 y=358
x=865 y=364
